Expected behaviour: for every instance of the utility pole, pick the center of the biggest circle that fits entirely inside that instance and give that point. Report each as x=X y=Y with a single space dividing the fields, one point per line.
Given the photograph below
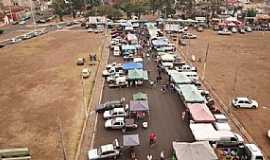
x=10 y=10
x=62 y=138
x=205 y=62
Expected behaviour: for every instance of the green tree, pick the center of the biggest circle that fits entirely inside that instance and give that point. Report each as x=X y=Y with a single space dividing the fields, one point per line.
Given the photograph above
x=59 y=8
x=251 y=12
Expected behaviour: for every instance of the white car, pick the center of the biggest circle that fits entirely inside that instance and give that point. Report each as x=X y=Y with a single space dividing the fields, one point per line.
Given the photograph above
x=225 y=32
x=115 y=123
x=119 y=123
x=188 y=35
x=186 y=68
x=108 y=151
x=112 y=71
x=116 y=51
x=221 y=123
x=116 y=112
x=85 y=73
x=244 y=102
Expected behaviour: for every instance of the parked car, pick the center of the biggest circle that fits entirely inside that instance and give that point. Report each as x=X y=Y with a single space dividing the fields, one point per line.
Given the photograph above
x=16 y=40
x=85 y=73
x=253 y=152
x=186 y=68
x=27 y=36
x=119 y=82
x=200 y=29
x=116 y=112
x=22 y=22
x=188 y=35
x=221 y=123
x=182 y=42
x=233 y=139
x=110 y=105
x=113 y=78
x=112 y=71
x=120 y=123
x=80 y=61
x=248 y=29
x=116 y=51
x=234 y=30
x=225 y=32
x=244 y=102
x=108 y=151
x=242 y=31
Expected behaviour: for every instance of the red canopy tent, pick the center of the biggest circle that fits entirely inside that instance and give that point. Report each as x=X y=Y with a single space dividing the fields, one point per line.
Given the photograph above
x=200 y=112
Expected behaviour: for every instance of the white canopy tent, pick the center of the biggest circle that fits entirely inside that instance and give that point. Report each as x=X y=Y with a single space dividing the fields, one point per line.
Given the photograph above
x=207 y=132
x=194 y=151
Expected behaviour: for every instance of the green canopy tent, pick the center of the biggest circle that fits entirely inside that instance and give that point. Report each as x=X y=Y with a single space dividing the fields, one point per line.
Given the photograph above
x=137 y=74
x=139 y=96
x=190 y=93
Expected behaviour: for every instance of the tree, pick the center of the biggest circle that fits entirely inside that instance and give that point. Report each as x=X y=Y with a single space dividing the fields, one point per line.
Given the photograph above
x=114 y=14
x=251 y=12
x=59 y=7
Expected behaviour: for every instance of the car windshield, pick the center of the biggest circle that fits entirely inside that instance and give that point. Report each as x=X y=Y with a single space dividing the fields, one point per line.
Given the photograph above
x=259 y=158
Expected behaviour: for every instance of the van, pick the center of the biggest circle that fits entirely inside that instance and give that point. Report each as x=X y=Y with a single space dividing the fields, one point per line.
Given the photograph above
x=116 y=51
x=253 y=152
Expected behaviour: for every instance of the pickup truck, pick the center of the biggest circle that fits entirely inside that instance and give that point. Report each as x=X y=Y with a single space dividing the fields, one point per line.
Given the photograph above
x=107 y=151
x=112 y=71
x=120 y=123
x=110 y=105
x=119 y=82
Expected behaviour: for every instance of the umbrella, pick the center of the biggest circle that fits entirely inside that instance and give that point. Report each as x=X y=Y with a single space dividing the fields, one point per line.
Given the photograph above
x=131 y=140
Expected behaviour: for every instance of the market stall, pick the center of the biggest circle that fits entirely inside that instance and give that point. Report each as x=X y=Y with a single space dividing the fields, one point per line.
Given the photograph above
x=190 y=94
x=193 y=151
x=200 y=113
x=139 y=96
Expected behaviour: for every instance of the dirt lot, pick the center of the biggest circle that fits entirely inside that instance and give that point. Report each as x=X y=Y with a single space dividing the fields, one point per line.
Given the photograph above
x=239 y=65
x=39 y=83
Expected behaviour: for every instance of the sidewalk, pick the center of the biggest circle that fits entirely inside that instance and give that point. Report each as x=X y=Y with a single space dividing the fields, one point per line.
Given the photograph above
x=89 y=127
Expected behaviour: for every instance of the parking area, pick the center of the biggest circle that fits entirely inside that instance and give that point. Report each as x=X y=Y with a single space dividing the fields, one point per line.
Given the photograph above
x=238 y=65
x=165 y=116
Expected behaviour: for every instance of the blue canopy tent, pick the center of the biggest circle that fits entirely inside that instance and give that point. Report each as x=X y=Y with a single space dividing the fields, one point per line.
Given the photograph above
x=132 y=66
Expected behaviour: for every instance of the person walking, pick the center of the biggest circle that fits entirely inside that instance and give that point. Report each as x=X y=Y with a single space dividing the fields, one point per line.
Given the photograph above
x=162 y=156
x=149 y=157
x=152 y=138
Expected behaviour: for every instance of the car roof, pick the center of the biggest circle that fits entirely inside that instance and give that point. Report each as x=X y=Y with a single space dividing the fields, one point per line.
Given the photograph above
x=253 y=148
x=119 y=119
x=107 y=148
x=113 y=102
x=118 y=109
x=220 y=116
x=242 y=98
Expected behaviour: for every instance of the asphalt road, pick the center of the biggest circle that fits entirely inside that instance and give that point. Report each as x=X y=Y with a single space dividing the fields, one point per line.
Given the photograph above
x=165 y=117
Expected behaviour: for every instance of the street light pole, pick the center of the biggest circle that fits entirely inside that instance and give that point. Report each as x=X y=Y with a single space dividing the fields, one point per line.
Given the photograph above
x=33 y=15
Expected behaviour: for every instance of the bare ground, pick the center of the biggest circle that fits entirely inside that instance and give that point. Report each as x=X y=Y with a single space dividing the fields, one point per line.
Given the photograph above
x=40 y=86
x=239 y=65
